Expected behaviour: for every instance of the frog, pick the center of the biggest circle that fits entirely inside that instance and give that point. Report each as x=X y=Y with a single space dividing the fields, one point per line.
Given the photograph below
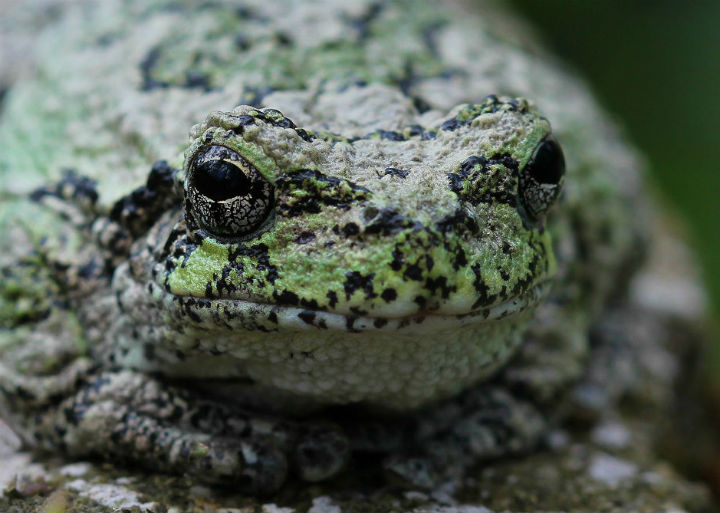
x=391 y=231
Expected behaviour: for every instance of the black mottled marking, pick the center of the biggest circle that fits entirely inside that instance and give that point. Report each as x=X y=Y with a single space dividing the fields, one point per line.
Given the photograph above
x=209 y=136
x=276 y=118
x=458 y=222
x=192 y=79
x=389 y=294
x=71 y=187
x=332 y=298
x=398 y=259
x=420 y=105
x=242 y=42
x=248 y=14
x=138 y=210
x=146 y=68
x=361 y=24
x=355 y=280
x=350 y=229
x=380 y=322
x=175 y=246
x=311 y=303
x=320 y=190
x=305 y=237
x=429 y=262
x=190 y=305
x=254 y=97
x=260 y=254
x=476 y=182
x=350 y=323
x=440 y=283
x=304 y=135
x=451 y=124
x=307 y=316
x=389 y=135
x=286 y=298
x=405 y=81
x=399 y=173
x=459 y=258
x=3 y=95
x=224 y=284
x=490 y=104
x=242 y=121
x=197 y=80
x=429 y=34
x=389 y=221
x=184 y=249
x=414 y=130
x=283 y=39
x=91 y=270
x=413 y=272
x=483 y=291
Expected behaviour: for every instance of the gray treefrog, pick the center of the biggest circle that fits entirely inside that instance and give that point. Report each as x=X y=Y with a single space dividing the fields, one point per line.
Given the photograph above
x=385 y=228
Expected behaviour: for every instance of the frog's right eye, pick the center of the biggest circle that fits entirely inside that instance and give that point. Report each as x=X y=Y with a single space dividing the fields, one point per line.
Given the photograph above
x=226 y=195
x=542 y=177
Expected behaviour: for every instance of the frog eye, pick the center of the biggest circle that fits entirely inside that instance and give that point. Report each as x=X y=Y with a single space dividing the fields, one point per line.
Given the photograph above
x=542 y=177
x=226 y=195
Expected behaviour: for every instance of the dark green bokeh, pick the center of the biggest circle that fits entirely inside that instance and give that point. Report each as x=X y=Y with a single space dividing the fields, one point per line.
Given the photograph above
x=656 y=66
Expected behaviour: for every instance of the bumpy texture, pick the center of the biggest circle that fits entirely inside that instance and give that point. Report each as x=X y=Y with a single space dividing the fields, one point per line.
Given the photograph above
x=379 y=224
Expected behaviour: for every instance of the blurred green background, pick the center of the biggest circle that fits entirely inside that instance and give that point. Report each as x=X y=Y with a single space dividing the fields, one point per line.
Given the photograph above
x=655 y=64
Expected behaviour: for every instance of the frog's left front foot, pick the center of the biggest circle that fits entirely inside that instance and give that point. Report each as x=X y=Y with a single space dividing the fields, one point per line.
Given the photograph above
x=486 y=422
x=133 y=417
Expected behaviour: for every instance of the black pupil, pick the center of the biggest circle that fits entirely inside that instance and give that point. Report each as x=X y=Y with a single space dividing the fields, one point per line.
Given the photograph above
x=220 y=180
x=548 y=162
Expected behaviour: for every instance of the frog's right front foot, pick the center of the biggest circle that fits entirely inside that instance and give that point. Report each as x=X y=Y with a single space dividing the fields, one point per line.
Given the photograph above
x=136 y=418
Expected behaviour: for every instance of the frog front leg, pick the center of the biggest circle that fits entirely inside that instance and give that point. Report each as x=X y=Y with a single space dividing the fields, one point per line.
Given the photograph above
x=484 y=423
x=130 y=416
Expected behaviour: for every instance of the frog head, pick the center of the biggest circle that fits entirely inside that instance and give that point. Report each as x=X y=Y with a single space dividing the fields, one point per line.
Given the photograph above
x=444 y=221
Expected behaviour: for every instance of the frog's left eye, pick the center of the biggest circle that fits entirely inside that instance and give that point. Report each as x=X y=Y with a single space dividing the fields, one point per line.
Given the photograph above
x=226 y=195
x=542 y=177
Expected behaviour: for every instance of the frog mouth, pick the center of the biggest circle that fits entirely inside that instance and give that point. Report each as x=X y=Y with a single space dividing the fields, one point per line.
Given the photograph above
x=236 y=314
x=421 y=321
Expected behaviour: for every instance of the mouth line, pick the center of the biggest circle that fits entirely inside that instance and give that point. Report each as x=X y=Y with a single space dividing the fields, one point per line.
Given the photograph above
x=237 y=313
